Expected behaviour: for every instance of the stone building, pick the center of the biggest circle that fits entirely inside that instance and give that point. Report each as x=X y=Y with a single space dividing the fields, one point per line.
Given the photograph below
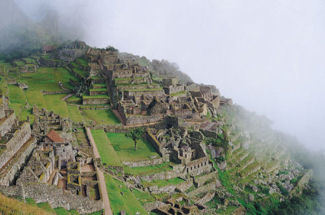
x=181 y=147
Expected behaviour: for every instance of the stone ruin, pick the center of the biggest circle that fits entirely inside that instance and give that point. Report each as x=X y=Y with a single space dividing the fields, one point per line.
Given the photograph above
x=182 y=147
x=16 y=144
x=44 y=121
x=41 y=158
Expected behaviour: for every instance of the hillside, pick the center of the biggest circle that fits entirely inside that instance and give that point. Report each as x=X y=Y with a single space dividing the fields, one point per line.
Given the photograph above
x=78 y=122
x=13 y=207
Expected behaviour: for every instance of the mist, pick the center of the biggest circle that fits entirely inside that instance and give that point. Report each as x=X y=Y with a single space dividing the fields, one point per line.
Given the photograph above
x=268 y=56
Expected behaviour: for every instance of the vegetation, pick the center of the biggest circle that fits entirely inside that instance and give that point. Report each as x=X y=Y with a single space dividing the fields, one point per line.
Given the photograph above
x=162 y=183
x=124 y=146
x=135 y=134
x=105 y=148
x=12 y=207
x=148 y=170
x=121 y=198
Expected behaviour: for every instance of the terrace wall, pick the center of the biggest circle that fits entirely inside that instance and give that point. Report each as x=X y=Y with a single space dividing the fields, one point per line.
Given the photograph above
x=144 y=162
x=95 y=101
x=54 y=196
x=10 y=173
x=20 y=137
x=97 y=92
x=7 y=124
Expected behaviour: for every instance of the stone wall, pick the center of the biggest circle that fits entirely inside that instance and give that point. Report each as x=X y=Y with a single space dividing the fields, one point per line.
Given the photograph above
x=135 y=119
x=206 y=198
x=56 y=92
x=97 y=92
x=162 y=176
x=7 y=124
x=101 y=107
x=204 y=189
x=152 y=205
x=166 y=189
x=199 y=181
x=20 y=137
x=95 y=101
x=144 y=162
x=198 y=166
x=17 y=163
x=153 y=140
x=185 y=185
x=2 y=110
x=54 y=196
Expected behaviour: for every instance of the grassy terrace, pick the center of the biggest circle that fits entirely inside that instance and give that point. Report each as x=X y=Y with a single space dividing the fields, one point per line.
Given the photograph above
x=163 y=183
x=46 y=208
x=121 y=198
x=105 y=148
x=145 y=90
x=98 y=90
x=124 y=148
x=99 y=85
x=148 y=170
x=100 y=116
x=178 y=93
x=130 y=78
x=143 y=197
x=13 y=206
x=96 y=97
x=81 y=61
x=144 y=85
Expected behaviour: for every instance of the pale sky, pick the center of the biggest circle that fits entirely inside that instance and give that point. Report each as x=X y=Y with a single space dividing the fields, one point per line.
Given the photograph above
x=268 y=56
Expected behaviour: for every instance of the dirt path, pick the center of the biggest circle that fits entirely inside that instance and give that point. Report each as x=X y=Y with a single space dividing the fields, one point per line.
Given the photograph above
x=101 y=177
x=66 y=97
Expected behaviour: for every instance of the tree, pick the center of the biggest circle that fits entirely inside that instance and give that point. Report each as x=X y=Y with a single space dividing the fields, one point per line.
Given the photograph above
x=135 y=134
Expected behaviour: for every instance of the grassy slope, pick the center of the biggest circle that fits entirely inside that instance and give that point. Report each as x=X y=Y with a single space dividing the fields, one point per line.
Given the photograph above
x=105 y=149
x=121 y=198
x=101 y=116
x=10 y=206
x=47 y=79
x=124 y=147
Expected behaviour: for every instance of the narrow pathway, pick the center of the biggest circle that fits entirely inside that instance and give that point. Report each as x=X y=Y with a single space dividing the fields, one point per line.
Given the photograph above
x=66 y=97
x=101 y=177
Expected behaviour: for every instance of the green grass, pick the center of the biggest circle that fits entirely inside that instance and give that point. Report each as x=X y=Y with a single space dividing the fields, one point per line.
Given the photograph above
x=143 y=197
x=47 y=79
x=163 y=183
x=148 y=170
x=16 y=95
x=101 y=116
x=74 y=113
x=45 y=206
x=81 y=61
x=44 y=79
x=62 y=211
x=98 y=90
x=99 y=85
x=121 y=198
x=178 y=93
x=96 y=97
x=105 y=149
x=18 y=100
x=54 y=103
x=124 y=147
x=74 y=100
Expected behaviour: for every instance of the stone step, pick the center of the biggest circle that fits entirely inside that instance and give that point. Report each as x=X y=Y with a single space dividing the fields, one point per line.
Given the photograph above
x=247 y=163
x=252 y=168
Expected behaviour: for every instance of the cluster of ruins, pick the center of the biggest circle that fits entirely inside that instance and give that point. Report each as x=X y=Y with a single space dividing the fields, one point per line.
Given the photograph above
x=141 y=99
x=45 y=155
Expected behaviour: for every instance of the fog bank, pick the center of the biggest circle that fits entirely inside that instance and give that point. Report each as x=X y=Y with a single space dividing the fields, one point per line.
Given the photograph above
x=266 y=55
